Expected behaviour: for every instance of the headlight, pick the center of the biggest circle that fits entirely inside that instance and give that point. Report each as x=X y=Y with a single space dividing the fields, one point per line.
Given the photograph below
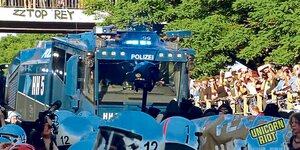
x=55 y=54
x=170 y=55
x=113 y=53
x=122 y=53
x=104 y=53
x=161 y=55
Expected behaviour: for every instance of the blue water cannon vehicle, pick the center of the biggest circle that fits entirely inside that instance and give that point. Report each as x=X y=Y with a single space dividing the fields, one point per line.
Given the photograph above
x=103 y=71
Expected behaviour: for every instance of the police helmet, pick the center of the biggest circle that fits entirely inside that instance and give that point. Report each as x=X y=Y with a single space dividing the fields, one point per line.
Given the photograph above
x=85 y=113
x=179 y=133
x=11 y=114
x=71 y=129
x=130 y=130
x=14 y=133
x=63 y=114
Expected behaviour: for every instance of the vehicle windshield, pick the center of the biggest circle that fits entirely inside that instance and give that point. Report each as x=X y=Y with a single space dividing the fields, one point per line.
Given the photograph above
x=115 y=86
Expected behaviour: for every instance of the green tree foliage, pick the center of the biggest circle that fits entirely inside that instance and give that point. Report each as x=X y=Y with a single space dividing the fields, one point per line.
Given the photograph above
x=276 y=27
x=11 y=45
x=125 y=12
x=251 y=31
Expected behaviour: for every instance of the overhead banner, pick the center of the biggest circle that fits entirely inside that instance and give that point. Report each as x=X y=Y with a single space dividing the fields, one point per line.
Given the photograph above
x=49 y=15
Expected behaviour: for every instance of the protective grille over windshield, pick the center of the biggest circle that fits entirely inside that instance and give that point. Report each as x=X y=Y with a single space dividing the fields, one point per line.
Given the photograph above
x=116 y=81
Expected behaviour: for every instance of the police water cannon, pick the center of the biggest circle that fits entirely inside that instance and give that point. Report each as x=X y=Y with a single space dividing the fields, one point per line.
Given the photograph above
x=97 y=71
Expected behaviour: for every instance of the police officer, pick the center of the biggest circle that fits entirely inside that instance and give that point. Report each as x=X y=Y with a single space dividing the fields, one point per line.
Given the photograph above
x=13 y=117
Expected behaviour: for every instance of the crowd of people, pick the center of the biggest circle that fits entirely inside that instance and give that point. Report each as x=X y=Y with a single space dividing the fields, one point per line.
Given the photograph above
x=235 y=87
x=40 y=138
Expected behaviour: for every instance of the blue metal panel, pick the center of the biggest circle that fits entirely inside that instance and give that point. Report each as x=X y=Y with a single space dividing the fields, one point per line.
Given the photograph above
x=14 y=64
x=71 y=78
x=41 y=54
x=90 y=40
x=58 y=92
x=33 y=82
x=108 y=111
x=31 y=56
x=83 y=41
x=70 y=49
